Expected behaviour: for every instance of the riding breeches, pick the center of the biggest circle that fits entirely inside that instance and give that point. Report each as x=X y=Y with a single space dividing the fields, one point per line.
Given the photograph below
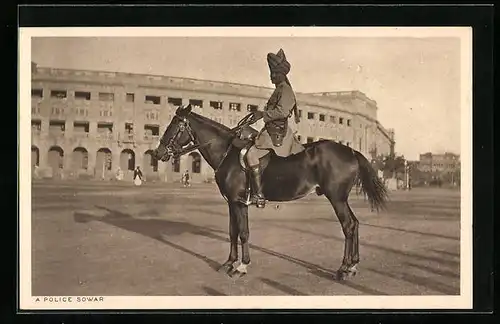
x=254 y=155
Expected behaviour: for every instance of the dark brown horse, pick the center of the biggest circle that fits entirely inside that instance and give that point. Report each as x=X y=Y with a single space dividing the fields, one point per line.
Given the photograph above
x=327 y=167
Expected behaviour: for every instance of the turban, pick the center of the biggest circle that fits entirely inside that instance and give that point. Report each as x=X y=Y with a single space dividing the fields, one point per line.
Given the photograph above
x=278 y=63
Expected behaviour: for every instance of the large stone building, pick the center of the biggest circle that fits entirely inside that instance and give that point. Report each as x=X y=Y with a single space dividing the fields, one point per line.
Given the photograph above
x=446 y=162
x=90 y=123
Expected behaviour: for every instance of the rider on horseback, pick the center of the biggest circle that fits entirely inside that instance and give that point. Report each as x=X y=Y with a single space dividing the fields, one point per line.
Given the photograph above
x=276 y=135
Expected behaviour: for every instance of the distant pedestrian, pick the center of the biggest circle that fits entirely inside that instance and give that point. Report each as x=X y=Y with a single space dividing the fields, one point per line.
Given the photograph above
x=35 y=172
x=185 y=179
x=138 y=176
x=119 y=174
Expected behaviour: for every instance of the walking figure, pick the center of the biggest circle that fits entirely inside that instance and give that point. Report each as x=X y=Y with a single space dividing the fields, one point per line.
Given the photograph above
x=119 y=174
x=138 y=176
x=185 y=179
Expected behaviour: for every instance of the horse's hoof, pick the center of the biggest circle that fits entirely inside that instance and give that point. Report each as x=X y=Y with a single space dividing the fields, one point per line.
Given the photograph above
x=341 y=275
x=353 y=271
x=237 y=274
x=226 y=268
x=345 y=274
x=239 y=271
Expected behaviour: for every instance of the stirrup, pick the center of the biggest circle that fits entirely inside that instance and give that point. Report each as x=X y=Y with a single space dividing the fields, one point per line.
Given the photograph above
x=259 y=201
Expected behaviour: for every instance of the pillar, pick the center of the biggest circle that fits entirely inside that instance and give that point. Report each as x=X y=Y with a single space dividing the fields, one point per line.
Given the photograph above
x=139 y=157
x=93 y=129
x=115 y=161
x=92 y=153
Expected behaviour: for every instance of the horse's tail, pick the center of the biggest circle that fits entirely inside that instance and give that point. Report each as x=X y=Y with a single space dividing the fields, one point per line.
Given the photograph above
x=371 y=184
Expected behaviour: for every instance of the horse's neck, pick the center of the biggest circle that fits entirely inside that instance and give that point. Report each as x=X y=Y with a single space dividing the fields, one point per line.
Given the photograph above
x=214 y=152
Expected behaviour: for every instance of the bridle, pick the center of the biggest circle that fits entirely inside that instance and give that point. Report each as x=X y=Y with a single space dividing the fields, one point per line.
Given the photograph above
x=174 y=150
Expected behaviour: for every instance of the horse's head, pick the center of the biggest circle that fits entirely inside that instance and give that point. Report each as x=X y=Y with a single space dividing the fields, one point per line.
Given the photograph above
x=177 y=135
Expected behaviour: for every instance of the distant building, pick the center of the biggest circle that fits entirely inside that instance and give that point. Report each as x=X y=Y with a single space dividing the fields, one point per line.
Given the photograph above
x=446 y=162
x=90 y=123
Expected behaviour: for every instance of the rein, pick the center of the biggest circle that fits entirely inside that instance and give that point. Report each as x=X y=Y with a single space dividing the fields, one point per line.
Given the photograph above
x=194 y=146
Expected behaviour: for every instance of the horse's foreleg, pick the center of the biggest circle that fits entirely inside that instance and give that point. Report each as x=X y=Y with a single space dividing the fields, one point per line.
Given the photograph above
x=349 y=225
x=244 y=232
x=233 y=236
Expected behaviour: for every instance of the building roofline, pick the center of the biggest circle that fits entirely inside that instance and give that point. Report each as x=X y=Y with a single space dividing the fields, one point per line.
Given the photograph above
x=355 y=92
x=154 y=75
x=130 y=74
x=437 y=154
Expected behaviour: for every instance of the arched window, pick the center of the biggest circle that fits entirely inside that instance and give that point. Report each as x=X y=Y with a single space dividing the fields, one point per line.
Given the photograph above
x=103 y=159
x=35 y=156
x=127 y=160
x=80 y=158
x=176 y=165
x=195 y=162
x=56 y=157
x=150 y=162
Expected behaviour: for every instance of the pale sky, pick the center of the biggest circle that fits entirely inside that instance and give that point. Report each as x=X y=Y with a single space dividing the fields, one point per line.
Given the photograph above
x=415 y=82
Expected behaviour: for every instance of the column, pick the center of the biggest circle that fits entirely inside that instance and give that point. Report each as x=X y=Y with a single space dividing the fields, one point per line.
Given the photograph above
x=167 y=170
x=139 y=157
x=67 y=159
x=206 y=171
x=69 y=128
x=43 y=151
x=162 y=174
x=185 y=164
x=93 y=148
x=92 y=129
x=115 y=161
x=92 y=153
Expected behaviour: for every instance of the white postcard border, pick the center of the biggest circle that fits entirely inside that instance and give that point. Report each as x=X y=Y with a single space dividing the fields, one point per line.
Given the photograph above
x=30 y=302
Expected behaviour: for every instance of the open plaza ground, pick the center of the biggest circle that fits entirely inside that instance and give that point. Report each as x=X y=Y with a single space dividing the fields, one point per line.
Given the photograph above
x=116 y=239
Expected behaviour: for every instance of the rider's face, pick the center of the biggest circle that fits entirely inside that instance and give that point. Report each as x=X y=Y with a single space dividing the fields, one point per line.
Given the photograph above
x=276 y=77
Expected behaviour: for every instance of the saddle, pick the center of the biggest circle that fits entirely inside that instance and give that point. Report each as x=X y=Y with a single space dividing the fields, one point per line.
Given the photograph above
x=243 y=140
x=244 y=137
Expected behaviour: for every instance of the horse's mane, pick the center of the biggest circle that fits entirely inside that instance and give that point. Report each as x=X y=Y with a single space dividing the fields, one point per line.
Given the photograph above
x=220 y=127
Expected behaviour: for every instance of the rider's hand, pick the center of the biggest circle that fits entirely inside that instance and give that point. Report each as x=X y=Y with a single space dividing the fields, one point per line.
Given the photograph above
x=297 y=119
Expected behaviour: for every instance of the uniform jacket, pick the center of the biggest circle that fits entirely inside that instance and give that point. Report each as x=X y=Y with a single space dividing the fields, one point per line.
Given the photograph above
x=276 y=112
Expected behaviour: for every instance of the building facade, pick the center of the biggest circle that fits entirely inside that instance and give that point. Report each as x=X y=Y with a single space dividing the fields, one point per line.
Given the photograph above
x=446 y=162
x=92 y=123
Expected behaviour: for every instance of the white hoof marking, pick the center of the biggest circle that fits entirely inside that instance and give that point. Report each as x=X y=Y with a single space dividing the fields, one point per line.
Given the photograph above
x=242 y=268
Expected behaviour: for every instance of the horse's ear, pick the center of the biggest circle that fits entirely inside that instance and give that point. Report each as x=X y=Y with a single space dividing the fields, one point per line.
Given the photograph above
x=183 y=111
x=178 y=111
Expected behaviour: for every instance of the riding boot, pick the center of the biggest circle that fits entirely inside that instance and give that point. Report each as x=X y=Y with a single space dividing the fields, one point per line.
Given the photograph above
x=260 y=201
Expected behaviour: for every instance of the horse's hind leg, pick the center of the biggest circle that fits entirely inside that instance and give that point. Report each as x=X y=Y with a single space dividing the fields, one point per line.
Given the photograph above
x=349 y=225
x=355 y=237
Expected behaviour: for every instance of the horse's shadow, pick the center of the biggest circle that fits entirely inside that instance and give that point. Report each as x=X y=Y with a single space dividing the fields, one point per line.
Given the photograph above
x=158 y=229
x=162 y=229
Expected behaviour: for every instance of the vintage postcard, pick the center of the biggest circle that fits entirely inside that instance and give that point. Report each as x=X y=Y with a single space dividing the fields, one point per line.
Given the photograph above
x=245 y=168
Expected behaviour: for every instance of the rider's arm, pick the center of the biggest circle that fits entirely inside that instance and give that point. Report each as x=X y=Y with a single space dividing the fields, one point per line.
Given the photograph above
x=283 y=106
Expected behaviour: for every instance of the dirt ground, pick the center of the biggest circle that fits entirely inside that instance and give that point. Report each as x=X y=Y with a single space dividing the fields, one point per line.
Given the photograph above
x=97 y=238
